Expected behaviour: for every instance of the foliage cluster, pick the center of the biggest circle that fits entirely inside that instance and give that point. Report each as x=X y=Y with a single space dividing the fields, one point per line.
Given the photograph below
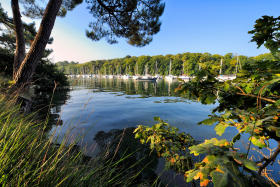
x=45 y=76
x=168 y=143
x=250 y=103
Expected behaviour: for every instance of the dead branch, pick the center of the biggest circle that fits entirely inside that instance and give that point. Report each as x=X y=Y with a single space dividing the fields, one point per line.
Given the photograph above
x=270 y=159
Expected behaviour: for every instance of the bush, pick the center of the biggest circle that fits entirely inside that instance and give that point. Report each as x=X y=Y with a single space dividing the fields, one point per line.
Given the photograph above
x=47 y=74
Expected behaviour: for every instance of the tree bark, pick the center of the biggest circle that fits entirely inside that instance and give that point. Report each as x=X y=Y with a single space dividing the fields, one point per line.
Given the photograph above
x=27 y=68
x=20 y=41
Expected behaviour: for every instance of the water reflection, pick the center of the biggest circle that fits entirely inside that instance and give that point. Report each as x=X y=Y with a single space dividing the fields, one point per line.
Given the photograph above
x=121 y=87
x=50 y=104
x=120 y=104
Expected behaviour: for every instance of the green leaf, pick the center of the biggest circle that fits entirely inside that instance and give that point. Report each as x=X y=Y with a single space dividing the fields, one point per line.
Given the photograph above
x=226 y=87
x=248 y=163
x=210 y=99
x=277 y=103
x=236 y=137
x=274 y=129
x=192 y=175
x=260 y=179
x=249 y=89
x=258 y=141
x=220 y=128
x=221 y=179
x=209 y=121
x=137 y=135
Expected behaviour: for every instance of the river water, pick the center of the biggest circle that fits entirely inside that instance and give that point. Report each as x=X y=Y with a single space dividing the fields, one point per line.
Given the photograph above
x=105 y=107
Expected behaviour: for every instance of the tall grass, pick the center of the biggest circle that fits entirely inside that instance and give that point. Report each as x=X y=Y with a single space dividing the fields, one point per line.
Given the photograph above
x=30 y=157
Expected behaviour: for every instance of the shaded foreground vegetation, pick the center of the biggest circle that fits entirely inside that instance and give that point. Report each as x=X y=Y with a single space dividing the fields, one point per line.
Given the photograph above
x=31 y=157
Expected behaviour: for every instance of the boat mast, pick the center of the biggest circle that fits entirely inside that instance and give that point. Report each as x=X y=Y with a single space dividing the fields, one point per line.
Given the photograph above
x=236 y=65
x=187 y=68
x=183 y=67
x=221 y=66
x=170 y=68
x=156 y=68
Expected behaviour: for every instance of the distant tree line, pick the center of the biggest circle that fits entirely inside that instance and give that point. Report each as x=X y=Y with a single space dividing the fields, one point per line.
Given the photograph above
x=186 y=63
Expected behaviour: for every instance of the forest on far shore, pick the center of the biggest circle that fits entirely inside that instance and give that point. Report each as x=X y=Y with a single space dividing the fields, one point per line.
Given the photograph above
x=190 y=61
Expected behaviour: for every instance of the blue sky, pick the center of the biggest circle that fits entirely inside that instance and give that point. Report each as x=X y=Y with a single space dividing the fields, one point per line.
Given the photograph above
x=216 y=27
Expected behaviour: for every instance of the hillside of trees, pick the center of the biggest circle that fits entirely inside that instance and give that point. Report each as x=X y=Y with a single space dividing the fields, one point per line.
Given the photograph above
x=191 y=62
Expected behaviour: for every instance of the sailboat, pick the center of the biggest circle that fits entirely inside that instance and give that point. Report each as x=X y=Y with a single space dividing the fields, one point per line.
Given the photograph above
x=105 y=76
x=126 y=76
x=183 y=76
x=156 y=73
x=111 y=74
x=146 y=77
x=222 y=78
x=169 y=77
x=136 y=75
x=119 y=72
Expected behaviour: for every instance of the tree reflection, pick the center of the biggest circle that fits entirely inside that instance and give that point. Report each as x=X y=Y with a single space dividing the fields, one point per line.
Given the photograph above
x=43 y=101
x=122 y=142
x=142 y=89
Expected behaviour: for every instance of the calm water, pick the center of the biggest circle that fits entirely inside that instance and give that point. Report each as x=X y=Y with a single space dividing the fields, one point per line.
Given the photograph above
x=105 y=107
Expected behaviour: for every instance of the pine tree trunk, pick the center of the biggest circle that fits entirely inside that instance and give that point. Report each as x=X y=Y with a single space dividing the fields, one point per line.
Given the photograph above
x=20 y=41
x=25 y=73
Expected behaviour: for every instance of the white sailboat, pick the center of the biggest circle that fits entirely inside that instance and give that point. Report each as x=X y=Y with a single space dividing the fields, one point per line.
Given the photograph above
x=111 y=76
x=156 y=73
x=147 y=77
x=136 y=76
x=126 y=76
x=169 y=77
x=105 y=76
x=183 y=76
